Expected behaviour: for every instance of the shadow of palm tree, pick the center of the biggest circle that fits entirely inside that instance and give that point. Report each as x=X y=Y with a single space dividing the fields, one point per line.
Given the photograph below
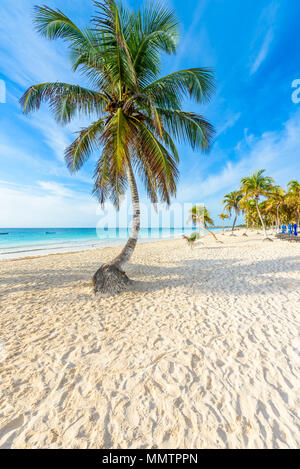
x=227 y=276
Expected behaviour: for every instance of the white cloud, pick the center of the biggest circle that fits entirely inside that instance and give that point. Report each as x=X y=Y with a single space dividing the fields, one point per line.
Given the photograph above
x=46 y=205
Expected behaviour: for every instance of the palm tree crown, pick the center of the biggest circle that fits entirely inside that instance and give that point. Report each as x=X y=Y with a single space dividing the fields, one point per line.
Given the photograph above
x=138 y=114
x=232 y=202
x=257 y=185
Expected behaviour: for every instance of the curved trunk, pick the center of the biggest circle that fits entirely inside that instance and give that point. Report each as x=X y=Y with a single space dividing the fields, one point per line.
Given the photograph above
x=261 y=219
x=210 y=232
x=233 y=226
x=111 y=278
x=223 y=228
x=121 y=260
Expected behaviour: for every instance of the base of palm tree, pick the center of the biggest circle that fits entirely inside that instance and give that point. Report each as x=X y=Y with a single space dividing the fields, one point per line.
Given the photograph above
x=245 y=234
x=232 y=235
x=268 y=240
x=110 y=280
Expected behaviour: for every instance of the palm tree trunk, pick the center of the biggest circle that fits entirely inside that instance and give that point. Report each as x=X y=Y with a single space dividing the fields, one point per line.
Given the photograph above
x=223 y=228
x=210 y=232
x=261 y=219
x=233 y=226
x=111 y=278
x=128 y=249
x=247 y=226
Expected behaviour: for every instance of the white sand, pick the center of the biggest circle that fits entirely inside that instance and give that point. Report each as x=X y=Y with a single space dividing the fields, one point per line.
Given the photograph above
x=204 y=353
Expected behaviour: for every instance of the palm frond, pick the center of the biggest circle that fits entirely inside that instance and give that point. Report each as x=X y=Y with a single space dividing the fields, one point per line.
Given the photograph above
x=162 y=164
x=65 y=100
x=152 y=31
x=87 y=142
x=195 y=83
x=189 y=127
x=54 y=24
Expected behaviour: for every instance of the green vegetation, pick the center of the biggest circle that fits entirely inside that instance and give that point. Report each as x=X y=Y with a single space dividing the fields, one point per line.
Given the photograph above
x=277 y=207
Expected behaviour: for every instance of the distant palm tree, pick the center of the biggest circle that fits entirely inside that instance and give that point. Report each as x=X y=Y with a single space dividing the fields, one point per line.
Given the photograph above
x=200 y=216
x=232 y=203
x=248 y=206
x=293 y=198
x=276 y=200
x=256 y=186
x=138 y=113
x=223 y=217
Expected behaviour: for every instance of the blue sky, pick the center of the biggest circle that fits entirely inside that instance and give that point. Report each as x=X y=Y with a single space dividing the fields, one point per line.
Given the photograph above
x=253 y=45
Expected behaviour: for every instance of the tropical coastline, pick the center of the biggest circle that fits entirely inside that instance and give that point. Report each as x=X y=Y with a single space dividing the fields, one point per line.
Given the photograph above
x=172 y=322
x=212 y=359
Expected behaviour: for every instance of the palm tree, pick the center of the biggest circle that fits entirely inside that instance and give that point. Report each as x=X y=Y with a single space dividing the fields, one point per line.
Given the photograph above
x=223 y=217
x=293 y=198
x=232 y=203
x=276 y=200
x=248 y=207
x=255 y=186
x=200 y=216
x=138 y=114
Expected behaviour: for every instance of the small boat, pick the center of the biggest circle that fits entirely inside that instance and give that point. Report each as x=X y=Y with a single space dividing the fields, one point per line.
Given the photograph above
x=50 y=232
x=4 y=234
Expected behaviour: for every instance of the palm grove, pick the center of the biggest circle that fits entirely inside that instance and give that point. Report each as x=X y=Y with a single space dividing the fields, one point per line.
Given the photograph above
x=137 y=113
x=277 y=207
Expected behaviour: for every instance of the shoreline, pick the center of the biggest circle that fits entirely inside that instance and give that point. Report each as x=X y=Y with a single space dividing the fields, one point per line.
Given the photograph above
x=92 y=245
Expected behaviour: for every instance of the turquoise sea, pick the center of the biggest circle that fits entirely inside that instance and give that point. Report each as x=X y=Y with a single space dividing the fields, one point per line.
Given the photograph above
x=21 y=242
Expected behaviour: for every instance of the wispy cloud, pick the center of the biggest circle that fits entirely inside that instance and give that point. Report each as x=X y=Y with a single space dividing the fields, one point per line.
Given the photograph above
x=230 y=121
x=26 y=58
x=274 y=151
x=263 y=52
x=263 y=39
x=57 y=138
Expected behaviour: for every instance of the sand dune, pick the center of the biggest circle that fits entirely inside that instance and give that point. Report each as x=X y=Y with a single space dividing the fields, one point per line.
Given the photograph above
x=203 y=351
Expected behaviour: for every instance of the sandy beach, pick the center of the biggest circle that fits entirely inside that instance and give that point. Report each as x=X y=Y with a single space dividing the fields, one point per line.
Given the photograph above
x=202 y=352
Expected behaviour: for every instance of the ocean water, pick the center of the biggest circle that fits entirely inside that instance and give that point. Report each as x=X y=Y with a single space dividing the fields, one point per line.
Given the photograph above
x=22 y=242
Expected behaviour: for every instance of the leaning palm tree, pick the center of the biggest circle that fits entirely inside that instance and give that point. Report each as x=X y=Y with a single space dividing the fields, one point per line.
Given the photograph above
x=256 y=186
x=200 y=216
x=137 y=114
x=223 y=217
x=231 y=203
